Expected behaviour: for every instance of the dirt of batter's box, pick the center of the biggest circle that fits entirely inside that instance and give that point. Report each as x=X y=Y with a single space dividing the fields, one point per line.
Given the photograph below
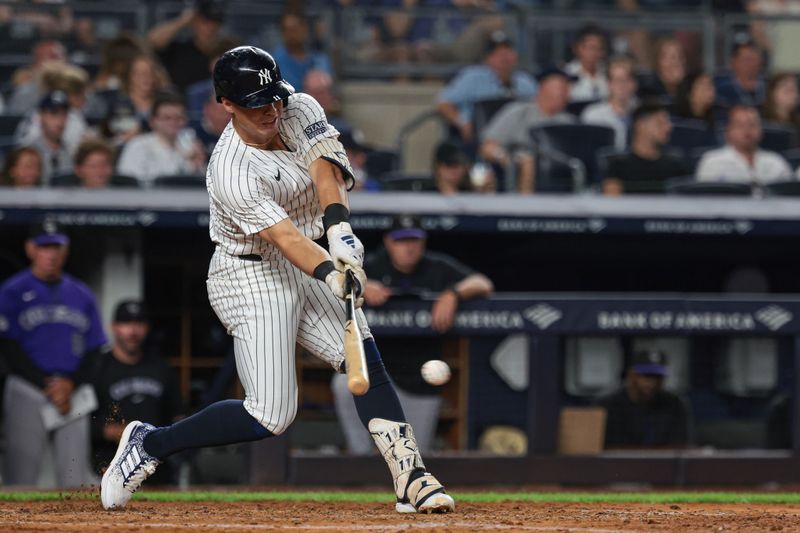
x=88 y=516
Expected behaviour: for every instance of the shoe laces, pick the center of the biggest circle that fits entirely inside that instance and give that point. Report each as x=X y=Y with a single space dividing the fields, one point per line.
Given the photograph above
x=142 y=471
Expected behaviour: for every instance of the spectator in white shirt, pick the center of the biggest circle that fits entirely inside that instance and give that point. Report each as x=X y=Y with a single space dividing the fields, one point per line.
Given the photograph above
x=587 y=67
x=616 y=111
x=741 y=160
x=169 y=150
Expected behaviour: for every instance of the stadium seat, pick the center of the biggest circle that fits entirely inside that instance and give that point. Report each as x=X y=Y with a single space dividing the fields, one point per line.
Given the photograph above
x=406 y=181
x=484 y=110
x=183 y=181
x=689 y=135
x=689 y=186
x=792 y=157
x=125 y=181
x=576 y=108
x=8 y=124
x=783 y=188
x=778 y=138
x=592 y=365
x=381 y=161
x=65 y=180
x=579 y=141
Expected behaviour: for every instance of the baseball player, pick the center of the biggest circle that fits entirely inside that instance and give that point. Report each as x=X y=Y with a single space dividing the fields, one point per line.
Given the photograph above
x=278 y=179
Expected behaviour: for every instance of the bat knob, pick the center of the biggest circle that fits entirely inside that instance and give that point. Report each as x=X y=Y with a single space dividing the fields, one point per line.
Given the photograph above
x=357 y=385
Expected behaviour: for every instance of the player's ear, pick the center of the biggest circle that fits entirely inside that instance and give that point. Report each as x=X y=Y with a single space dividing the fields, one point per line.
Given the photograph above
x=30 y=248
x=228 y=105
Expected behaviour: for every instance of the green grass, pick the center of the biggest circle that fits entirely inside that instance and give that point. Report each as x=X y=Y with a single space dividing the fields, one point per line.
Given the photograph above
x=466 y=497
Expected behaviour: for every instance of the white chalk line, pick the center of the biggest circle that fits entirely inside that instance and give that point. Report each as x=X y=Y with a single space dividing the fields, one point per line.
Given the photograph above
x=303 y=527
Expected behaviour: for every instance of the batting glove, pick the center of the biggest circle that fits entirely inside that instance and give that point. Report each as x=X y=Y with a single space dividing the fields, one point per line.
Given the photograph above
x=337 y=281
x=344 y=247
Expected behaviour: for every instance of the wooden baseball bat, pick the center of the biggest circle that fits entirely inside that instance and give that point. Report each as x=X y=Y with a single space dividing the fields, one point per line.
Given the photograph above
x=355 y=359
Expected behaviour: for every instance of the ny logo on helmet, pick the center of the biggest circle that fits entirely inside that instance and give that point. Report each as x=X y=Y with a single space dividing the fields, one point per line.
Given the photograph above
x=264 y=76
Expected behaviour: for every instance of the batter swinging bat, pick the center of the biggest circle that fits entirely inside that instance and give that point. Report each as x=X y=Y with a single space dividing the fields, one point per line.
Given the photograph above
x=355 y=360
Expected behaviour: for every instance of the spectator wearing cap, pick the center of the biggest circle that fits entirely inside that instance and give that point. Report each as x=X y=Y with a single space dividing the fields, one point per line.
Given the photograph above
x=745 y=83
x=295 y=55
x=49 y=322
x=496 y=77
x=132 y=382
x=506 y=139
x=358 y=153
x=403 y=269
x=591 y=83
x=453 y=172
x=187 y=60
x=616 y=111
x=646 y=167
x=73 y=81
x=741 y=160
x=52 y=144
x=168 y=150
x=642 y=414
x=22 y=168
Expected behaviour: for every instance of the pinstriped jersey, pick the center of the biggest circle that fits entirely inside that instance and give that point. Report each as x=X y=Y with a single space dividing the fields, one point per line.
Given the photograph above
x=251 y=189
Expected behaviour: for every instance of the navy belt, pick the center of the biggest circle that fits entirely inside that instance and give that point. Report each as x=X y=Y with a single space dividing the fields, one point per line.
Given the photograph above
x=251 y=257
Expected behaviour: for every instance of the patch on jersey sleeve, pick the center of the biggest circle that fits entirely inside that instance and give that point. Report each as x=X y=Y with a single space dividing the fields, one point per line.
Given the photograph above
x=317 y=128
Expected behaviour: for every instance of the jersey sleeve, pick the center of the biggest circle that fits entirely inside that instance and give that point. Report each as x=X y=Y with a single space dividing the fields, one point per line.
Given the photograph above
x=244 y=195
x=310 y=136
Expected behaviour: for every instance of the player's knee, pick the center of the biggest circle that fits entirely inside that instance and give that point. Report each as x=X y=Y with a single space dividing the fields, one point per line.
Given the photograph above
x=278 y=423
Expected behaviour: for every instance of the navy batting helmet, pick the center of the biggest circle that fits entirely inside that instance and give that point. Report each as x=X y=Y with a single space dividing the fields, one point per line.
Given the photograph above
x=249 y=77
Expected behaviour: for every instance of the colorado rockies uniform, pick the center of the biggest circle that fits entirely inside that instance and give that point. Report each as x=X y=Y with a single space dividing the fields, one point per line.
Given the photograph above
x=265 y=302
x=54 y=325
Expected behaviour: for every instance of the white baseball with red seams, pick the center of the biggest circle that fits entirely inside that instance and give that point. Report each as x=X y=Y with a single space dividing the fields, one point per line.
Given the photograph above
x=435 y=372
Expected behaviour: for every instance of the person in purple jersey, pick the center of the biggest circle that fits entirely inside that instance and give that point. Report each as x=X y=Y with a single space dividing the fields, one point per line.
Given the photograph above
x=48 y=322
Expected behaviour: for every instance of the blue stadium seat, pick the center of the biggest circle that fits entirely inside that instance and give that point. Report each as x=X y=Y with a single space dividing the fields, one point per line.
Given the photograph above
x=689 y=186
x=689 y=135
x=583 y=142
x=8 y=124
x=484 y=110
x=407 y=181
x=783 y=188
x=183 y=181
x=792 y=157
x=381 y=161
x=778 y=138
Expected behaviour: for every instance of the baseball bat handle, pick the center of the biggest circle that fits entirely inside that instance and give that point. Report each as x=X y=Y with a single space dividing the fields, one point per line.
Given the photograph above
x=355 y=358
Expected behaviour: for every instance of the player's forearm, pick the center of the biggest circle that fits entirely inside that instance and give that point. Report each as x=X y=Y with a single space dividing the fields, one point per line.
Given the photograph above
x=301 y=251
x=474 y=286
x=329 y=181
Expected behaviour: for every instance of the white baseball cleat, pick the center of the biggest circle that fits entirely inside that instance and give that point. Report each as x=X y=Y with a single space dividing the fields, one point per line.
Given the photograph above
x=426 y=495
x=416 y=489
x=129 y=468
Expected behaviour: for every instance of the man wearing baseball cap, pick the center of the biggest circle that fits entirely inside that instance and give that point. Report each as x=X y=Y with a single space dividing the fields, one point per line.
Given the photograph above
x=49 y=322
x=405 y=269
x=506 y=139
x=132 y=382
x=56 y=153
x=642 y=414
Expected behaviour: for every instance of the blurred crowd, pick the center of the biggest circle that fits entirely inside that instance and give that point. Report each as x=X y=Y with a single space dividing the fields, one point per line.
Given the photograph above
x=627 y=111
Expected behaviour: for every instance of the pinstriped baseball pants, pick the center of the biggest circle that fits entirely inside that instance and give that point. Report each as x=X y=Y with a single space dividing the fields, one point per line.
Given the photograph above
x=267 y=307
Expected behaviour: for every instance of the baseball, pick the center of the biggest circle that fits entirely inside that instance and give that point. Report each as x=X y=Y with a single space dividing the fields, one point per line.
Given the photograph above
x=435 y=372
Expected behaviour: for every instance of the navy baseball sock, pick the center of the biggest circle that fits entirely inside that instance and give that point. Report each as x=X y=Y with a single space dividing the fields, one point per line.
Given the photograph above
x=380 y=401
x=225 y=422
